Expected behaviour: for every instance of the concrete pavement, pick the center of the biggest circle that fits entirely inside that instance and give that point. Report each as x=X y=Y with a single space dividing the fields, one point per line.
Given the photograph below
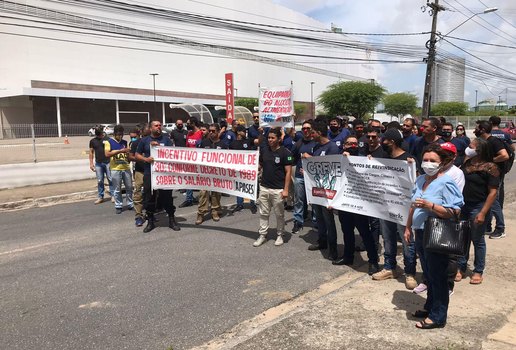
x=351 y=311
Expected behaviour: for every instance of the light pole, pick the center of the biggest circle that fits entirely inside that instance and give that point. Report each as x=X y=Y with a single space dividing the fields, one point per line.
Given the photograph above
x=476 y=102
x=154 y=92
x=430 y=44
x=312 y=106
x=236 y=92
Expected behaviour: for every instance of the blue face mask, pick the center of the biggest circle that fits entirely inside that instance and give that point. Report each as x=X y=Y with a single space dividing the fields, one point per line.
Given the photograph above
x=134 y=139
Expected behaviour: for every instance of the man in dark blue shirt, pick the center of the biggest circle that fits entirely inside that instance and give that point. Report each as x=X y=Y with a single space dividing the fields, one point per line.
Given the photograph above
x=156 y=138
x=305 y=145
x=336 y=134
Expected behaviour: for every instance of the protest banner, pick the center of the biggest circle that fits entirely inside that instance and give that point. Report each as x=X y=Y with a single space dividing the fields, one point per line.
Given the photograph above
x=276 y=107
x=221 y=170
x=376 y=187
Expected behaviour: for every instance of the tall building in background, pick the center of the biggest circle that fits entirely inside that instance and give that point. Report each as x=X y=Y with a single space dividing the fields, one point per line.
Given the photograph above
x=448 y=80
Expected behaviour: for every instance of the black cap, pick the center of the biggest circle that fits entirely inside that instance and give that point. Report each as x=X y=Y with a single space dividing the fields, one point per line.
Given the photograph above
x=392 y=134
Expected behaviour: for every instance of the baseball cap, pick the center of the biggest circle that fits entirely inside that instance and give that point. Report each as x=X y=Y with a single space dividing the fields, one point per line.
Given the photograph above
x=450 y=147
x=392 y=134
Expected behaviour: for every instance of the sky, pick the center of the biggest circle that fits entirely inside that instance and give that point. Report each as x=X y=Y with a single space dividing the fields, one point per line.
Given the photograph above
x=406 y=16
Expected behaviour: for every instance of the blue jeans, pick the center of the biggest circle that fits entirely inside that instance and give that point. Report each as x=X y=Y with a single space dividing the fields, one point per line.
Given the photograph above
x=118 y=177
x=468 y=212
x=437 y=298
x=240 y=201
x=101 y=170
x=189 y=196
x=300 y=204
x=348 y=222
x=390 y=233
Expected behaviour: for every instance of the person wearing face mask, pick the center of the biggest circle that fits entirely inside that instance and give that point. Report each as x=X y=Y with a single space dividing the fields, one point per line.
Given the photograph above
x=139 y=170
x=391 y=143
x=460 y=145
x=305 y=145
x=349 y=221
x=178 y=135
x=434 y=194
x=336 y=134
x=116 y=148
x=482 y=179
x=460 y=133
x=430 y=129
x=498 y=155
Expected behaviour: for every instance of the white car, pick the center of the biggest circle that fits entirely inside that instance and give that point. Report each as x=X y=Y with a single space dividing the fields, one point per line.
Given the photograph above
x=108 y=129
x=168 y=127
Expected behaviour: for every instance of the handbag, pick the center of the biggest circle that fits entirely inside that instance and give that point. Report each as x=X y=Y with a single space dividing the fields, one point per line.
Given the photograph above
x=447 y=236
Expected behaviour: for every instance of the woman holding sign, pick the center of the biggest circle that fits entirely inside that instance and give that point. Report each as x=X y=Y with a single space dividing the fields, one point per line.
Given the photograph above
x=434 y=194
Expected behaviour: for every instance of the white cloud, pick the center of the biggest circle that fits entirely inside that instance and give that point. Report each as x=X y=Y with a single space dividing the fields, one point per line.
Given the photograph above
x=403 y=16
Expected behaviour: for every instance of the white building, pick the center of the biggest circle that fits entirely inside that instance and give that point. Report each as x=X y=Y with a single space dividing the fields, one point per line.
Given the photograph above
x=84 y=62
x=448 y=80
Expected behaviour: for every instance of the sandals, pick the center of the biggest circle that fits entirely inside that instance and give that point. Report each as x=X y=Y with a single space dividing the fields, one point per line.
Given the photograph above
x=476 y=278
x=425 y=325
x=420 y=314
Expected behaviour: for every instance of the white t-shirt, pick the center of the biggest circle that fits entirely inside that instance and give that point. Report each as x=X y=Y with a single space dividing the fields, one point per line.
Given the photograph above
x=457 y=175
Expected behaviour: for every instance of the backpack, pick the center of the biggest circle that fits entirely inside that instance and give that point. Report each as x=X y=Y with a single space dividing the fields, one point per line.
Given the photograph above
x=507 y=165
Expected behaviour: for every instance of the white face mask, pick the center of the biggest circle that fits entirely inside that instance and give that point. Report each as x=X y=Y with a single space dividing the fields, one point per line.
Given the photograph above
x=470 y=152
x=430 y=168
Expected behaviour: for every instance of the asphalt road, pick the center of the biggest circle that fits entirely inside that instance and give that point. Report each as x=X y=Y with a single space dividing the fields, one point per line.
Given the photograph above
x=77 y=276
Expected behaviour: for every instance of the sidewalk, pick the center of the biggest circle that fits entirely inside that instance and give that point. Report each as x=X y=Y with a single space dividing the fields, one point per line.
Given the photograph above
x=352 y=311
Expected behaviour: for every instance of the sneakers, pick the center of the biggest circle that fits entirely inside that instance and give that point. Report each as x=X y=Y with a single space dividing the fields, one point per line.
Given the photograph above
x=497 y=234
x=261 y=240
x=98 y=201
x=138 y=222
x=215 y=216
x=130 y=208
x=237 y=208
x=383 y=275
x=410 y=282
x=118 y=210
x=373 y=268
x=297 y=227
x=185 y=204
x=254 y=209
x=199 y=220
x=318 y=246
x=279 y=241
x=420 y=288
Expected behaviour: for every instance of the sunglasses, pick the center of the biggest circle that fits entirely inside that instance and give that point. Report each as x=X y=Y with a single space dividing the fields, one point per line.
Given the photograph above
x=372 y=136
x=212 y=131
x=352 y=143
x=306 y=128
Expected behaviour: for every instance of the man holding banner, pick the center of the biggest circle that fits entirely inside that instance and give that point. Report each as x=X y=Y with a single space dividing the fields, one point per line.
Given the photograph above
x=143 y=154
x=276 y=162
x=210 y=197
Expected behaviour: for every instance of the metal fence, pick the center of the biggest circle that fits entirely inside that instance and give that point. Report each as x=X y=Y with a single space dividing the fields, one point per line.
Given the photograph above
x=17 y=131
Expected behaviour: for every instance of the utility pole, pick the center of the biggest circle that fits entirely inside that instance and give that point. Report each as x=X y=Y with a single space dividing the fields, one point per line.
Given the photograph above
x=476 y=102
x=154 y=93
x=430 y=60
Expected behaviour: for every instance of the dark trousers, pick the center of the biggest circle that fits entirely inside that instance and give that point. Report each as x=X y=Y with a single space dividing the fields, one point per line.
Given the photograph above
x=437 y=295
x=151 y=198
x=325 y=226
x=348 y=222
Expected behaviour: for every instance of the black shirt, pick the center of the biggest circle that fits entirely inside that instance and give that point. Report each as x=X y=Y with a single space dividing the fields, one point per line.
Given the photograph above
x=403 y=156
x=496 y=145
x=138 y=166
x=273 y=164
x=179 y=137
x=144 y=148
x=207 y=143
x=244 y=145
x=479 y=178
x=98 y=147
x=378 y=153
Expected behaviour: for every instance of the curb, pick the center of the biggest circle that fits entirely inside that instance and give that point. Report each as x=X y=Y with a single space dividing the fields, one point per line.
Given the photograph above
x=48 y=201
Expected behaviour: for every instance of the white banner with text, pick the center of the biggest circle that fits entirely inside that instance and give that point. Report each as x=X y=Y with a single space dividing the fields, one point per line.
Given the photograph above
x=276 y=107
x=220 y=170
x=376 y=187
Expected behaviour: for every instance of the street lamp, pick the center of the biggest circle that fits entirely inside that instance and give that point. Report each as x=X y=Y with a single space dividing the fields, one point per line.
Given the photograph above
x=435 y=9
x=476 y=103
x=487 y=10
x=312 y=106
x=236 y=92
x=154 y=92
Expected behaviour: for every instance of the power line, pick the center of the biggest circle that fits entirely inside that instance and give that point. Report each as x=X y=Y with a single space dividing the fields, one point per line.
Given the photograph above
x=498 y=15
x=481 y=42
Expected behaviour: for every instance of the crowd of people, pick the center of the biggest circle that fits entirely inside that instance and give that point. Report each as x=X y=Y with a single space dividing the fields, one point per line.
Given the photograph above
x=458 y=177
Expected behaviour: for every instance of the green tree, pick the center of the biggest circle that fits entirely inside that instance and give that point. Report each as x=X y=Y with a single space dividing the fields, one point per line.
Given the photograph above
x=247 y=102
x=447 y=109
x=400 y=103
x=299 y=108
x=354 y=98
